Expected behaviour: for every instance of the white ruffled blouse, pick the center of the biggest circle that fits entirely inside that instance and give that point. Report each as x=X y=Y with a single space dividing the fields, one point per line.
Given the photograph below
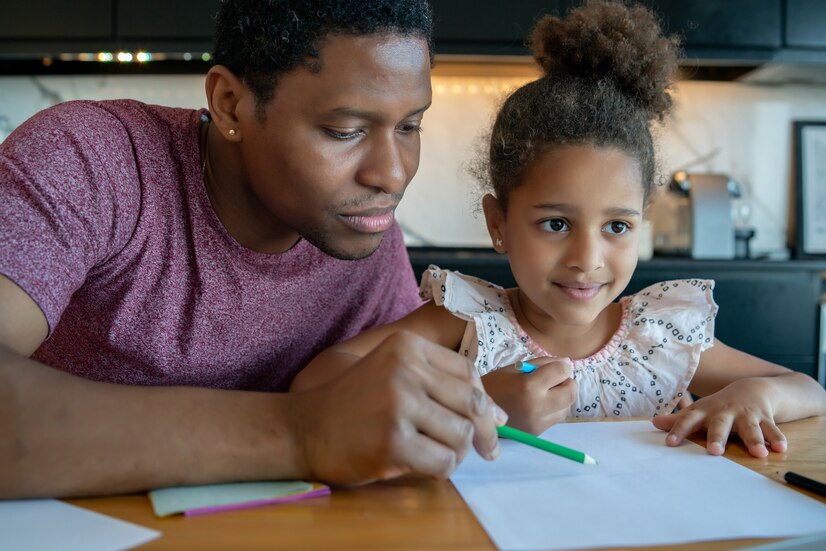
x=643 y=370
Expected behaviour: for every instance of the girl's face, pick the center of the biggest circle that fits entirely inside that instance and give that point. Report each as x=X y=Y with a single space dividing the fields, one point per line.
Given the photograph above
x=571 y=231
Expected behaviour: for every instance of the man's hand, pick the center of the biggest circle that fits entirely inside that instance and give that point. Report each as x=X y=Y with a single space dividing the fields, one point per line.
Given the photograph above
x=409 y=406
x=534 y=401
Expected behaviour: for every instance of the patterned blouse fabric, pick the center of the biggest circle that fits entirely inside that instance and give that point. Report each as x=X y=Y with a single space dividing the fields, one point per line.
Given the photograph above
x=643 y=370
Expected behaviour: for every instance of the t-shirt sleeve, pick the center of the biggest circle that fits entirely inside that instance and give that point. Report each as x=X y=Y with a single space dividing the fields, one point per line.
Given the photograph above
x=69 y=198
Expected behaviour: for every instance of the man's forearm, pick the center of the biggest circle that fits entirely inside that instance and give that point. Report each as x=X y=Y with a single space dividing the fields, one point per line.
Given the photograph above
x=62 y=435
x=324 y=368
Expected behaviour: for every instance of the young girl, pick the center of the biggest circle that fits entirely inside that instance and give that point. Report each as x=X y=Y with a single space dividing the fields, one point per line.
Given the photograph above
x=571 y=168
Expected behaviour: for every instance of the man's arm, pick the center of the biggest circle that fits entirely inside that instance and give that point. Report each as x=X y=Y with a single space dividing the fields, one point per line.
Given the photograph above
x=409 y=406
x=429 y=321
x=64 y=435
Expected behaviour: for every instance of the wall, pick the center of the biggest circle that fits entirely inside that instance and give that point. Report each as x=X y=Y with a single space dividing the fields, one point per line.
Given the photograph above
x=740 y=129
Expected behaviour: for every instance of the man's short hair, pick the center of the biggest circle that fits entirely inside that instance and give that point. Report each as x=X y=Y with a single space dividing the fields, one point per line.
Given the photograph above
x=259 y=40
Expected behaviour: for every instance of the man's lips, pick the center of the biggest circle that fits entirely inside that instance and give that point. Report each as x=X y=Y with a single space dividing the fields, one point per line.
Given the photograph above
x=375 y=220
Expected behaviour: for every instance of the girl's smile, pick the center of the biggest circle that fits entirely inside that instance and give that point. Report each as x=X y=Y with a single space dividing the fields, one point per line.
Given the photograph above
x=579 y=291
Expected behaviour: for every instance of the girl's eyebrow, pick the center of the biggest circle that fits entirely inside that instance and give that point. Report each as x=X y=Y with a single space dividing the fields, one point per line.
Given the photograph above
x=564 y=207
x=622 y=211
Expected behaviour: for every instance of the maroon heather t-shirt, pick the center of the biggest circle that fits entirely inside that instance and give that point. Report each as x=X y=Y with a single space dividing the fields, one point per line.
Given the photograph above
x=105 y=223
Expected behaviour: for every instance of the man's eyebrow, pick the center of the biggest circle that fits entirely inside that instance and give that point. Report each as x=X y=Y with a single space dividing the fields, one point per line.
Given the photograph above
x=372 y=115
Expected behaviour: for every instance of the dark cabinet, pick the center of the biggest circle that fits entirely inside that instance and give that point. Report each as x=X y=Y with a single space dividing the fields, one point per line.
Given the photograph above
x=722 y=33
x=50 y=27
x=730 y=24
x=806 y=23
x=161 y=19
x=768 y=309
x=730 y=29
x=490 y=27
x=56 y=19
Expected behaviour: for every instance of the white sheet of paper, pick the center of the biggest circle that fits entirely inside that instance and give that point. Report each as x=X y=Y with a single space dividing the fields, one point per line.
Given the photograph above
x=640 y=493
x=49 y=524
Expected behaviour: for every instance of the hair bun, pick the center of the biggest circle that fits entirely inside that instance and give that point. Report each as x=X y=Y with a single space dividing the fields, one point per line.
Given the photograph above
x=605 y=40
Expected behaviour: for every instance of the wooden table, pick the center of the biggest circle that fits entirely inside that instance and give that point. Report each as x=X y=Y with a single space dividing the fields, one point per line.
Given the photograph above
x=404 y=514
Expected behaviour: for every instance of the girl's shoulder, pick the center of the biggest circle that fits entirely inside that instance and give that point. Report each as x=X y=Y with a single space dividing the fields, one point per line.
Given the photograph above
x=680 y=312
x=676 y=293
x=648 y=365
x=462 y=294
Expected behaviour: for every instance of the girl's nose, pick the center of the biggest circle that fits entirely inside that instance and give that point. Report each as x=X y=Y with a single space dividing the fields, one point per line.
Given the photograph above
x=584 y=252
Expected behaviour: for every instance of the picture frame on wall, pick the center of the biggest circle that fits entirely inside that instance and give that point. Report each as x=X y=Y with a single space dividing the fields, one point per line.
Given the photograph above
x=810 y=188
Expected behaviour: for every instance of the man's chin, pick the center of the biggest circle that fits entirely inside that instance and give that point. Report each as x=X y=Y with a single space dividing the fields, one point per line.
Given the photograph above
x=347 y=249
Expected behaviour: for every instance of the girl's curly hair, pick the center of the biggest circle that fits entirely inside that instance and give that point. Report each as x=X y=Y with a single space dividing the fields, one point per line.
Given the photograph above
x=608 y=72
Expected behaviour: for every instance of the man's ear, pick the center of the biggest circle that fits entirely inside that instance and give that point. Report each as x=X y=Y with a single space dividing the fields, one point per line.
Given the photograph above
x=495 y=220
x=225 y=92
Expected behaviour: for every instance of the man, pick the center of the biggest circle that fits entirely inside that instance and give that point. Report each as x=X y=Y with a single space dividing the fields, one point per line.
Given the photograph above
x=162 y=271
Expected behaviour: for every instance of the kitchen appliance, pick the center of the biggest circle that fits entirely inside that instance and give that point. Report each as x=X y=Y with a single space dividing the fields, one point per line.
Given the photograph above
x=695 y=216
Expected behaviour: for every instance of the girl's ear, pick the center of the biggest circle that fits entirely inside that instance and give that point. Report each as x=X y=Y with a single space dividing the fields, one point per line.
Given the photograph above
x=225 y=92
x=495 y=220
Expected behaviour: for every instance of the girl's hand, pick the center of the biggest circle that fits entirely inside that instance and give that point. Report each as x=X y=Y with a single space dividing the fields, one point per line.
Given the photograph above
x=534 y=401
x=743 y=407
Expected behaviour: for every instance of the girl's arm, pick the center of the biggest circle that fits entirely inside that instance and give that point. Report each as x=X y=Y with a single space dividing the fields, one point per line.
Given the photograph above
x=794 y=395
x=746 y=395
x=432 y=322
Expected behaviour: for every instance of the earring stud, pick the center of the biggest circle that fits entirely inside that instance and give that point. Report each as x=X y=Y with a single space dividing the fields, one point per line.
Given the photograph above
x=232 y=132
x=499 y=243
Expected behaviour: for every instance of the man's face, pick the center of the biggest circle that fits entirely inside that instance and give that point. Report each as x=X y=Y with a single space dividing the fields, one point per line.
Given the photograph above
x=338 y=147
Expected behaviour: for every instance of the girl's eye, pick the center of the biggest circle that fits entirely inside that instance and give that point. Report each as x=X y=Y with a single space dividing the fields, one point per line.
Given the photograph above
x=554 y=225
x=343 y=134
x=616 y=227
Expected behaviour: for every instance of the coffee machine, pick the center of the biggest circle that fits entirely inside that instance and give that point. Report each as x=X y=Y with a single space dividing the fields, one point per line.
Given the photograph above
x=694 y=216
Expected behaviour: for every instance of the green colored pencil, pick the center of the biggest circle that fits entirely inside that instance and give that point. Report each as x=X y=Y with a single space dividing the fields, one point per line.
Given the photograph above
x=531 y=440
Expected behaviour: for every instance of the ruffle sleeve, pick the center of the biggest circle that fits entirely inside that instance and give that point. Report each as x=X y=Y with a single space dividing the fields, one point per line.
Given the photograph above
x=491 y=340
x=680 y=312
x=460 y=294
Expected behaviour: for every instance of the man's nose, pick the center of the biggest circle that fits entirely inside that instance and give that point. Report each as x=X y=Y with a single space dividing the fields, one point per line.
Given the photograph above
x=383 y=165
